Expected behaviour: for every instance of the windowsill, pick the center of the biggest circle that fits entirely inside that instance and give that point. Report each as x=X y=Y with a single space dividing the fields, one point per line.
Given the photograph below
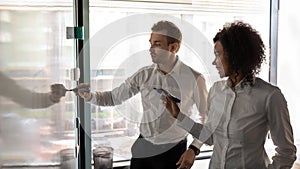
x=204 y=154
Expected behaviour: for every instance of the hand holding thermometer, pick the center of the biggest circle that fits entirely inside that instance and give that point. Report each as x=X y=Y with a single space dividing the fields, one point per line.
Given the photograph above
x=160 y=91
x=80 y=89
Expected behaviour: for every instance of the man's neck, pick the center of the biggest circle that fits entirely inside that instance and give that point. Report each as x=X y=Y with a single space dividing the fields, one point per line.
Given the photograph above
x=167 y=67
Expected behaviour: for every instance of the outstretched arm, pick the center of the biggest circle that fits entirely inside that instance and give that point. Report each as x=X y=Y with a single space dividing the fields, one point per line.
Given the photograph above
x=27 y=98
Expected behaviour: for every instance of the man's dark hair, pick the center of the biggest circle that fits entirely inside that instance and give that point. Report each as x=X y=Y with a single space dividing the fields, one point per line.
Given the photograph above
x=243 y=48
x=172 y=31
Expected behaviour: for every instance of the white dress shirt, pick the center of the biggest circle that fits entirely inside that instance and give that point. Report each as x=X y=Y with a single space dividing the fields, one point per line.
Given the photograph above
x=238 y=123
x=157 y=125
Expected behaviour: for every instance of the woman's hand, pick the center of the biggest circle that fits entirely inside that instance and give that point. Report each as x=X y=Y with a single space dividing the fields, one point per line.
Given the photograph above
x=171 y=106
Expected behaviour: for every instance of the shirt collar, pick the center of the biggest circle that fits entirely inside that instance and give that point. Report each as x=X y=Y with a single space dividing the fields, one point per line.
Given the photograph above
x=176 y=68
x=241 y=86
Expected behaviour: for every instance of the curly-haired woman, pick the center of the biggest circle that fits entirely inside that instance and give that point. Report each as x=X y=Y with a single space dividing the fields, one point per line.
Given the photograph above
x=243 y=108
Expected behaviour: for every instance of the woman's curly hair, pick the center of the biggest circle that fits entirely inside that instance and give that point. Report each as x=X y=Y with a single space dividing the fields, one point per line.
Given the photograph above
x=243 y=48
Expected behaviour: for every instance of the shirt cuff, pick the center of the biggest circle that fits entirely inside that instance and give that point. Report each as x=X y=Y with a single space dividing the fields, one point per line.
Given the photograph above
x=197 y=143
x=187 y=124
x=93 y=99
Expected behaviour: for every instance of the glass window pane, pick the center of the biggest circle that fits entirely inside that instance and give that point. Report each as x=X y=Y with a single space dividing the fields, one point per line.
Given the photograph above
x=34 y=53
x=119 y=47
x=288 y=62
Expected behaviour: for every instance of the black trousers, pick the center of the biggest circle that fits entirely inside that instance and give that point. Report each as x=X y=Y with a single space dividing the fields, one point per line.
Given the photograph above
x=146 y=155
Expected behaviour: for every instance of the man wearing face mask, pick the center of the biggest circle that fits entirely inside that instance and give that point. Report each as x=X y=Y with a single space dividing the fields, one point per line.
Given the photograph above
x=161 y=144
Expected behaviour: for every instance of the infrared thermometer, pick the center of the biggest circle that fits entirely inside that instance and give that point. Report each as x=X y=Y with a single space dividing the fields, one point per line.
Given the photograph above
x=160 y=91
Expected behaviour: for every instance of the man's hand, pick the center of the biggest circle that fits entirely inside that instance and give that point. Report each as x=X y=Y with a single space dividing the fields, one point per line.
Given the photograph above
x=186 y=160
x=57 y=91
x=83 y=92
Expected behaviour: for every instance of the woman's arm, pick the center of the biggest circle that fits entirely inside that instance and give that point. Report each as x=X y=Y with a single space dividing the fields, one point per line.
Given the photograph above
x=281 y=131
